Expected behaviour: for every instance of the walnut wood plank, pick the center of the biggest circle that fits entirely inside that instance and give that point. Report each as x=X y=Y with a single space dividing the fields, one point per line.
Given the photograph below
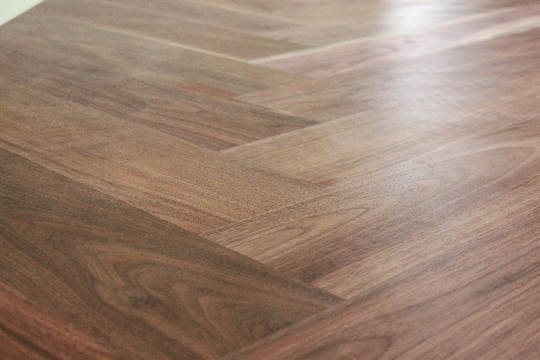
x=474 y=299
x=320 y=238
x=26 y=332
x=497 y=225
x=402 y=110
x=345 y=10
x=139 y=88
x=174 y=185
x=215 y=14
x=352 y=55
x=438 y=83
x=340 y=151
x=168 y=27
x=195 y=188
x=327 y=22
x=137 y=286
x=143 y=56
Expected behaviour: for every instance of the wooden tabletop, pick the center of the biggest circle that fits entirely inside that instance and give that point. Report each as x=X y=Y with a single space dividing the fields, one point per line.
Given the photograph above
x=269 y=179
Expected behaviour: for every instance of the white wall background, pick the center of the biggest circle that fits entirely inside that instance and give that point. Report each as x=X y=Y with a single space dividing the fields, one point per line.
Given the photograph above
x=10 y=9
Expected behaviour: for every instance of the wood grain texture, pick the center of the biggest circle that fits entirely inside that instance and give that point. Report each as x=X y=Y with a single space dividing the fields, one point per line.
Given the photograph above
x=468 y=294
x=26 y=332
x=145 y=57
x=328 y=22
x=137 y=285
x=477 y=320
x=329 y=235
x=347 y=56
x=401 y=110
x=174 y=180
x=361 y=144
x=142 y=84
x=438 y=83
x=169 y=28
x=386 y=13
x=249 y=179
x=215 y=14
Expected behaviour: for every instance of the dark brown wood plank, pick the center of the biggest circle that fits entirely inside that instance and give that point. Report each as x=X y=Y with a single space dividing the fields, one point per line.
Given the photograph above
x=403 y=178
x=471 y=299
x=137 y=286
x=143 y=56
x=140 y=82
x=168 y=28
x=177 y=181
x=327 y=238
x=361 y=144
x=26 y=332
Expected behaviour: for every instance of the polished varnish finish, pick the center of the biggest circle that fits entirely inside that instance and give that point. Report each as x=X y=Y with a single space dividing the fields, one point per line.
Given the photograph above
x=240 y=179
x=136 y=284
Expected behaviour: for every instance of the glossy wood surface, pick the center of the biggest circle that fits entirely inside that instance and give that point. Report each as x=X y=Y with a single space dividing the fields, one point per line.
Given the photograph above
x=138 y=285
x=167 y=27
x=249 y=179
x=138 y=83
x=393 y=206
x=26 y=332
x=345 y=56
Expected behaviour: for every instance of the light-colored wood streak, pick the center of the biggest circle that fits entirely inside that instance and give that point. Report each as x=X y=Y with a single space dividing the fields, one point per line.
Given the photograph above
x=213 y=14
x=315 y=239
x=352 y=55
x=187 y=185
x=438 y=83
x=387 y=13
x=167 y=26
x=345 y=150
x=326 y=22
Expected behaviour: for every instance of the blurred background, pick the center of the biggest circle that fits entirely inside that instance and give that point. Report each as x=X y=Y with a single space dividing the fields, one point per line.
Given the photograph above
x=10 y=9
